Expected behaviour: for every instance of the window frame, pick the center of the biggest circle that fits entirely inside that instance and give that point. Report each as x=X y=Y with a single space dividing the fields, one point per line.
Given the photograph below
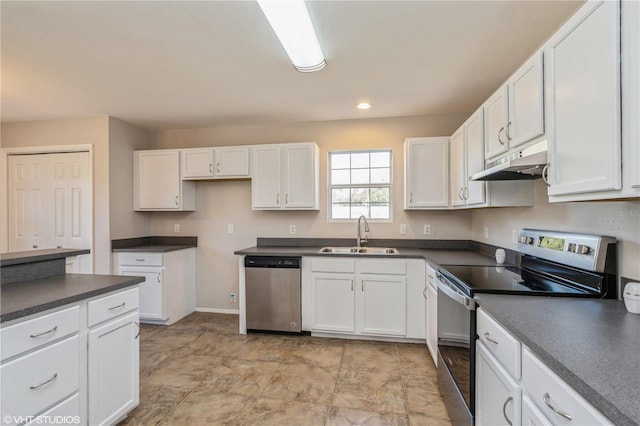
x=330 y=218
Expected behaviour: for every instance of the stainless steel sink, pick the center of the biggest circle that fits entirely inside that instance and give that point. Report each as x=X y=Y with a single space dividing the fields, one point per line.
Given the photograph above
x=358 y=250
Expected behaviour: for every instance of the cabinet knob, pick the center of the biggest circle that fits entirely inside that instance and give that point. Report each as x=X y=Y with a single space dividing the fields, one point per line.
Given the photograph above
x=218 y=167
x=35 y=246
x=177 y=204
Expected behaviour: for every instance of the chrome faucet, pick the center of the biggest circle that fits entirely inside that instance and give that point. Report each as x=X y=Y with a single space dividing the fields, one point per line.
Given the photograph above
x=359 y=239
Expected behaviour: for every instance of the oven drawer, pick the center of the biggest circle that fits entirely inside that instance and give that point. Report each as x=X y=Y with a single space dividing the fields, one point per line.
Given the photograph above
x=500 y=342
x=554 y=397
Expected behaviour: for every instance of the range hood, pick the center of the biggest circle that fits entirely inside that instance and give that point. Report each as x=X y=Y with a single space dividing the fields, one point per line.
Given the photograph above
x=526 y=164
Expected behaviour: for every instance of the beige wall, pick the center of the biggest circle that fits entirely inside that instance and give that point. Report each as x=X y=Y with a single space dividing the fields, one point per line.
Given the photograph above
x=620 y=219
x=125 y=138
x=220 y=203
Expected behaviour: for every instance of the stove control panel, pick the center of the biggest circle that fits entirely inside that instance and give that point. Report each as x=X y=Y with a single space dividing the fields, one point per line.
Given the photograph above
x=582 y=251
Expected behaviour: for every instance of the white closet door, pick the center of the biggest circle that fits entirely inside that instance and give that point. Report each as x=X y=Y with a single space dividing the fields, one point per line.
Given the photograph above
x=50 y=204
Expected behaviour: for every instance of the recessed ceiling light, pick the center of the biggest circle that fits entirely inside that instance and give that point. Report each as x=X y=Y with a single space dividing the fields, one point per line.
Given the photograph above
x=291 y=22
x=363 y=105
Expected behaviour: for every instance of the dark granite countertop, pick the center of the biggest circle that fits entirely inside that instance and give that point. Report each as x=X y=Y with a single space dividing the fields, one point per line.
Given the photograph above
x=157 y=244
x=594 y=345
x=29 y=297
x=31 y=256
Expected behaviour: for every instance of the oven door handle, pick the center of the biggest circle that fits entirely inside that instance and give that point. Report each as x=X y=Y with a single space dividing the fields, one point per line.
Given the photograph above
x=455 y=296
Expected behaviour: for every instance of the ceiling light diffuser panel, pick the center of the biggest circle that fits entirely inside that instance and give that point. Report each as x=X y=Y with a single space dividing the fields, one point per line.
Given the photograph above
x=291 y=22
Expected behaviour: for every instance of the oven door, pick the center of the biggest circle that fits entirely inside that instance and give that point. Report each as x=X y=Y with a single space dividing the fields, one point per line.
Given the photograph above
x=456 y=351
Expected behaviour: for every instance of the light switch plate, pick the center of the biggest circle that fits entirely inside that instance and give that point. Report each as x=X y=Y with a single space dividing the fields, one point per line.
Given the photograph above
x=231 y=228
x=176 y=228
x=403 y=229
x=292 y=229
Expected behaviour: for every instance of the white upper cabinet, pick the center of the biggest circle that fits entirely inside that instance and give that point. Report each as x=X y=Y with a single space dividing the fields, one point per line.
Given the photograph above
x=514 y=114
x=496 y=118
x=426 y=167
x=232 y=162
x=215 y=163
x=583 y=102
x=631 y=98
x=197 y=163
x=458 y=162
x=158 y=184
x=526 y=102
x=285 y=177
x=467 y=158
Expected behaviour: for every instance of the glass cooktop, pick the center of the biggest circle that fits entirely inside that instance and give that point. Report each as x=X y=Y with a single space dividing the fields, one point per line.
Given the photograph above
x=504 y=279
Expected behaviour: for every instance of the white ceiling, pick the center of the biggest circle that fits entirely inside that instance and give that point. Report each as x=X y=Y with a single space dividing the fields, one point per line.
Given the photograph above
x=177 y=64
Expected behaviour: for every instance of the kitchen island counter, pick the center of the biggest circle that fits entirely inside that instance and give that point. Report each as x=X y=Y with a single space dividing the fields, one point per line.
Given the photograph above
x=593 y=345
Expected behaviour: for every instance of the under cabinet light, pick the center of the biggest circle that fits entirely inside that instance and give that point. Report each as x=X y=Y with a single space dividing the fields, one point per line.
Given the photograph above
x=291 y=23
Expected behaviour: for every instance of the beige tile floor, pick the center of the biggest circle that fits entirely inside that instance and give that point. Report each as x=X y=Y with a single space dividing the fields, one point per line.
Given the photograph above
x=200 y=371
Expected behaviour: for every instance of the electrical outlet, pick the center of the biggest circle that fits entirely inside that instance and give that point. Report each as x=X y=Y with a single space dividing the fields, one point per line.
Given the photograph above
x=292 y=229
x=232 y=298
x=403 y=229
x=486 y=232
x=176 y=228
x=231 y=228
x=514 y=236
x=427 y=229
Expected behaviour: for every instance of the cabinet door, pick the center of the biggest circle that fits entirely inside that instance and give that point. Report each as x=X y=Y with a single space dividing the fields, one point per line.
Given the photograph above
x=232 y=162
x=583 y=60
x=526 y=102
x=159 y=180
x=432 y=322
x=300 y=176
x=631 y=90
x=113 y=369
x=382 y=305
x=457 y=168
x=496 y=117
x=474 y=153
x=197 y=163
x=498 y=396
x=426 y=173
x=265 y=177
x=333 y=302
x=152 y=294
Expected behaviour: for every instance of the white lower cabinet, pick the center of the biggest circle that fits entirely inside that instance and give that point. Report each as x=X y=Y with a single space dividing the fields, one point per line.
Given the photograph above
x=363 y=297
x=497 y=393
x=431 y=317
x=79 y=362
x=114 y=369
x=540 y=397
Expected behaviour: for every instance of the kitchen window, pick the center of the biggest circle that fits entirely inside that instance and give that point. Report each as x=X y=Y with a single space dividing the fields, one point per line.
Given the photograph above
x=360 y=184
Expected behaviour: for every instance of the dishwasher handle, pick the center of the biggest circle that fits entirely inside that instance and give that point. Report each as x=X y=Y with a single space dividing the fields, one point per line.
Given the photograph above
x=271 y=262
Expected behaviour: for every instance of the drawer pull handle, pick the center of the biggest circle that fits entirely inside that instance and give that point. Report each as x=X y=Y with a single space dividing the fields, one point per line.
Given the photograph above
x=39 y=385
x=546 y=398
x=424 y=292
x=351 y=285
x=44 y=333
x=117 y=306
x=504 y=410
x=137 y=335
x=486 y=336
x=139 y=260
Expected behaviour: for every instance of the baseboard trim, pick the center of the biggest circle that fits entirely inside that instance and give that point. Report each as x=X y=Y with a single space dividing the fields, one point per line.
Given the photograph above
x=219 y=311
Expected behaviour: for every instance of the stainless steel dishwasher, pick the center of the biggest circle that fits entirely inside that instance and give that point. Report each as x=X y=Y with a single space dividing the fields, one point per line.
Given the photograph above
x=273 y=293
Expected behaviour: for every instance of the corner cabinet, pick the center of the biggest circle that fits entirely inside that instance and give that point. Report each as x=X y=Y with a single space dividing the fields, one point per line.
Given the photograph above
x=158 y=184
x=285 y=177
x=426 y=173
x=583 y=102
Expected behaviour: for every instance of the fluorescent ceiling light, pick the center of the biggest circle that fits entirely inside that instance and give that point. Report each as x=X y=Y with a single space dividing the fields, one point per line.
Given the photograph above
x=291 y=23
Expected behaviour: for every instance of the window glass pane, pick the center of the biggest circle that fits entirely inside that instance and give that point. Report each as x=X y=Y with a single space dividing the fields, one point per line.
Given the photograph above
x=340 y=161
x=381 y=159
x=379 y=195
x=340 y=195
x=340 y=211
x=340 y=177
x=380 y=176
x=380 y=211
x=359 y=176
x=360 y=160
x=357 y=211
x=359 y=196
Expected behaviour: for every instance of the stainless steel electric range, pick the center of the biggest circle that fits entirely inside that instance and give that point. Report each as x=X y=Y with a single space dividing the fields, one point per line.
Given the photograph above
x=551 y=264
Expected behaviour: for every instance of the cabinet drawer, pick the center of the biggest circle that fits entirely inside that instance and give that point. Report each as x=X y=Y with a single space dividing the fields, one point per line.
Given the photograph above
x=551 y=395
x=69 y=409
x=333 y=265
x=38 y=380
x=140 y=259
x=383 y=266
x=39 y=331
x=500 y=342
x=113 y=305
